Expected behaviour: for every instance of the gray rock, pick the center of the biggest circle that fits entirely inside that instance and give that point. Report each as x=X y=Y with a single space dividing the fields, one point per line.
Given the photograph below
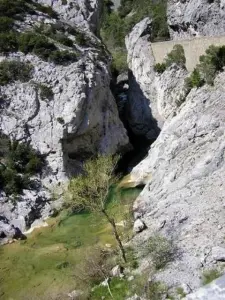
x=213 y=291
x=139 y=226
x=184 y=175
x=218 y=253
x=189 y=18
x=117 y=271
x=75 y=295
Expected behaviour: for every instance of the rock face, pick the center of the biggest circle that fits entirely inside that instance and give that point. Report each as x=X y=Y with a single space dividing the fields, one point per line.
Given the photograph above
x=79 y=120
x=184 y=199
x=213 y=291
x=188 y=18
x=152 y=97
x=142 y=110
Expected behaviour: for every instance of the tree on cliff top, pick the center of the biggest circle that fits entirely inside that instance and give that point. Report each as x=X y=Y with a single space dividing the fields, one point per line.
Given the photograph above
x=90 y=190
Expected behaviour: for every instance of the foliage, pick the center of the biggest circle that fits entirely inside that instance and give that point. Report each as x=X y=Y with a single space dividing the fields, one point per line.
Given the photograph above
x=119 y=61
x=8 y=42
x=6 y=24
x=210 y=65
x=14 y=70
x=161 y=251
x=45 y=92
x=156 y=290
x=47 y=10
x=13 y=9
x=160 y=68
x=60 y=120
x=90 y=190
x=210 y=275
x=62 y=57
x=194 y=80
x=39 y=45
x=94 y=268
x=176 y=56
x=18 y=162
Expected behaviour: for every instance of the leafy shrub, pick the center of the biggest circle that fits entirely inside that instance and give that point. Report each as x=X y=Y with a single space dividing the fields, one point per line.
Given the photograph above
x=39 y=45
x=194 y=80
x=62 y=57
x=62 y=39
x=161 y=251
x=47 y=10
x=176 y=56
x=13 y=9
x=60 y=120
x=160 y=68
x=210 y=275
x=8 y=42
x=6 y=24
x=18 y=162
x=45 y=92
x=95 y=268
x=14 y=70
x=120 y=61
x=210 y=65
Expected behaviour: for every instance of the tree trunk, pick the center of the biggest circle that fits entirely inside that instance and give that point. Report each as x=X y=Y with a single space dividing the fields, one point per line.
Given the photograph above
x=112 y=223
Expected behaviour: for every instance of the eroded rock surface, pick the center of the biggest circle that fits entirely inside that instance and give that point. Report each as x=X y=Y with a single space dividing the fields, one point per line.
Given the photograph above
x=184 y=199
x=190 y=18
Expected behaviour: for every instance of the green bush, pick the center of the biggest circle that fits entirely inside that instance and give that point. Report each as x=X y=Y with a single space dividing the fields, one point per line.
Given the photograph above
x=210 y=65
x=45 y=92
x=194 y=80
x=160 y=68
x=176 y=56
x=13 y=9
x=62 y=57
x=47 y=10
x=38 y=44
x=8 y=42
x=6 y=24
x=161 y=251
x=14 y=70
x=120 y=61
x=18 y=162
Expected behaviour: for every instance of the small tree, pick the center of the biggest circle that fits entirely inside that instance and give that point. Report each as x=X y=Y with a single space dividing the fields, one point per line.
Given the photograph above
x=90 y=190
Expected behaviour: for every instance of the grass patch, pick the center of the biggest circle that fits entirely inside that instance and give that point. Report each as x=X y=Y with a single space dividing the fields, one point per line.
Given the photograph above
x=44 y=264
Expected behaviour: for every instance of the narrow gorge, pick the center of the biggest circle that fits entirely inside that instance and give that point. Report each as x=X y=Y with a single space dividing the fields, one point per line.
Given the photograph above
x=84 y=80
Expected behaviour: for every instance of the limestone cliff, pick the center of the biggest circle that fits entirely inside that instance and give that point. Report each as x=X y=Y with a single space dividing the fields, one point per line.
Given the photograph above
x=78 y=119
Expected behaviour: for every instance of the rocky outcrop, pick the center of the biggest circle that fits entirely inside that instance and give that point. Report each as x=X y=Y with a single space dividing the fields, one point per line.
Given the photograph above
x=152 y=97
x=142 y=110
x=213 y=291
x=84 y=14
x=77 y=120
x=190 y=18
x=184 y=199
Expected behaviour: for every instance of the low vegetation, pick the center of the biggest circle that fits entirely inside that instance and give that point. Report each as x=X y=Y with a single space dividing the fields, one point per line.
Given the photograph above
x=46 y=92
x=210 y=65
x=161 y=251
x=14 y=70
x=176 y=56
x=210 y=275
x=18 y=162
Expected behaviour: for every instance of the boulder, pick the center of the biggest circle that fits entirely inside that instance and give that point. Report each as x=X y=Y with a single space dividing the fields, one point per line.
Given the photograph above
x=139 y=226
x=218 y=253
